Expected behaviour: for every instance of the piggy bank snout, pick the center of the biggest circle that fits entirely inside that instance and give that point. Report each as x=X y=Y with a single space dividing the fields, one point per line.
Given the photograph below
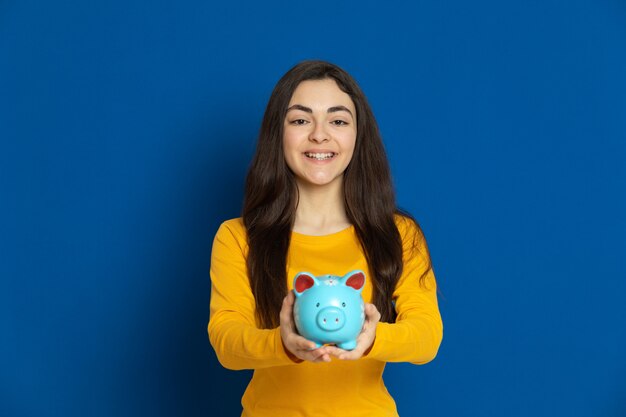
x=331 y=318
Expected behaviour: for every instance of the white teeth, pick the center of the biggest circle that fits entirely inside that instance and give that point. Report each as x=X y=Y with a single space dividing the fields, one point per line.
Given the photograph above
x=319 y=156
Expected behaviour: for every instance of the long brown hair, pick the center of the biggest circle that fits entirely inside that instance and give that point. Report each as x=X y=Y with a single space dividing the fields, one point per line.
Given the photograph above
x=271 y=198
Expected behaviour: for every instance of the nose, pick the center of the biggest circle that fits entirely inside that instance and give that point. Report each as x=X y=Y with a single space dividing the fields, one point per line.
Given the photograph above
x=318 y=134
x=331 y=319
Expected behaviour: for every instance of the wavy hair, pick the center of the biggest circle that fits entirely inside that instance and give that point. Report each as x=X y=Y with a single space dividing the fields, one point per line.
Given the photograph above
x=271 y=198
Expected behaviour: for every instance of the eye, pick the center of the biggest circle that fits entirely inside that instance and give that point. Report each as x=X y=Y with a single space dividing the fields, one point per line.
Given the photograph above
x=339 y=123
x=317 y=305
x=343 y=304
x=298 y=122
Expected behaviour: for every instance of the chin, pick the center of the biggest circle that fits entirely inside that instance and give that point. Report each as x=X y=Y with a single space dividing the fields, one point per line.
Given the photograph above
x=321 y=182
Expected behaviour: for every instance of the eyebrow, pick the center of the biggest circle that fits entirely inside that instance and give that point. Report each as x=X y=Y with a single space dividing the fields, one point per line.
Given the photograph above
x=330 y=109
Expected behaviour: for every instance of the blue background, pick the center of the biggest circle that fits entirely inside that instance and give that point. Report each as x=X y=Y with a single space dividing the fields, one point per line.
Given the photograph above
x=126 y=130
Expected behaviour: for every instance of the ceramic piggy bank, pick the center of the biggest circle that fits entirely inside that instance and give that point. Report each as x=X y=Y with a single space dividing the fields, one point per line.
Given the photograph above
x=329 y=308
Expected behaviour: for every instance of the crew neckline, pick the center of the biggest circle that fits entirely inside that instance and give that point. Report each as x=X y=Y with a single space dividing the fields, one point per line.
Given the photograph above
x=300 y=237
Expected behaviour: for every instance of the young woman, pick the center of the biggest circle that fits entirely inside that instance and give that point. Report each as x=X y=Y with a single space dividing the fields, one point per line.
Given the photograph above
x=319 y=198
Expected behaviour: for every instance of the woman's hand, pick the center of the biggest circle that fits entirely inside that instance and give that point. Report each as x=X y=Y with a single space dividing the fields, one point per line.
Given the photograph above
x=364 y=341
x=296 y=345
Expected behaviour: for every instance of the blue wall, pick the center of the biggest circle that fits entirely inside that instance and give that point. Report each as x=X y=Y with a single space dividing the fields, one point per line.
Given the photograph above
x=126 y=129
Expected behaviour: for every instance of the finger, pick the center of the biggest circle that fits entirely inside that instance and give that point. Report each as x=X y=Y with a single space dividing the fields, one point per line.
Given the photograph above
x=350 y=355
x=321 y=355
x=325 y=358
x=306 y=345
x=290 y=297
x=316 y=355
x=287 y=303
x=286 y=312
x=334 y=351
x=343 y=354
x=372 y=312
x=301 y=343
x=369 y=327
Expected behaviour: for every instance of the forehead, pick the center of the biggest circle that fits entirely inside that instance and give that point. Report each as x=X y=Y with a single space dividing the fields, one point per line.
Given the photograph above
x=320 y=93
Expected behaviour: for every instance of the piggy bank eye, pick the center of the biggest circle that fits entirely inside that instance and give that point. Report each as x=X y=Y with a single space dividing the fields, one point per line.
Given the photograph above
x=343 y=304
x=317 y=305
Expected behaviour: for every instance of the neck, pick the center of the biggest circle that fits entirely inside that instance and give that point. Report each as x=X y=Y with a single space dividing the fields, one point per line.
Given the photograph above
x=321 y=209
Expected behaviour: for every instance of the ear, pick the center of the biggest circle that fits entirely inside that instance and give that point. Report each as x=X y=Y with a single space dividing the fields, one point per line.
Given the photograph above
x=355 y=279
x=302 y=282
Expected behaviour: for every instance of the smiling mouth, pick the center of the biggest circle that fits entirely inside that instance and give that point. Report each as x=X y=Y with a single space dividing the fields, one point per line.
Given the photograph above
x=320 y=156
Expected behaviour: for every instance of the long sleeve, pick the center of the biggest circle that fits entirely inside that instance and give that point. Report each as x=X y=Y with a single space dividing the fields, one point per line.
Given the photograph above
x=237 y=341
x=417 y=333
x=297 y=389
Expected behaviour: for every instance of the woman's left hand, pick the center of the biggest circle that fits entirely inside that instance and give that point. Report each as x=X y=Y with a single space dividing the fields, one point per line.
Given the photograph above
x=364 y=341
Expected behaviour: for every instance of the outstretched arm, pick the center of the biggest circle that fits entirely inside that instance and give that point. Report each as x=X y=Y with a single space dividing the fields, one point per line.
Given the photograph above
x=238 y=342
x=416 y=335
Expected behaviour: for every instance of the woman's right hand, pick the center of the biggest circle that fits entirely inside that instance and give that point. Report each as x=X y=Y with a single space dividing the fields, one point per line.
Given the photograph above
x=296 y=346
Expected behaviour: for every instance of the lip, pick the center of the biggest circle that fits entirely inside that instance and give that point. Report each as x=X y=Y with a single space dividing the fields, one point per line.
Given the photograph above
x=320 y=151
x=319 y=161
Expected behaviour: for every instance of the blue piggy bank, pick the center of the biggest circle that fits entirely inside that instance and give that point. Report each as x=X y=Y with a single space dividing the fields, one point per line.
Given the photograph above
x=329 y=308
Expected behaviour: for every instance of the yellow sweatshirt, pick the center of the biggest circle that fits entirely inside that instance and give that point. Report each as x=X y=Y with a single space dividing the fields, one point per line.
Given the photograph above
x=282 y=387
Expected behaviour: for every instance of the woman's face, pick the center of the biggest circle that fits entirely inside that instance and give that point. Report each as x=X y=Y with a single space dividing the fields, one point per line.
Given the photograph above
x=319 y=132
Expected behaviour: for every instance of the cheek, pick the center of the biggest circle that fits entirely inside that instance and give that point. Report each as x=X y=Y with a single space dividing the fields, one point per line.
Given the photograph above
x=289 y=148
x=349 y=142
x=291 y=138
x=288 y=140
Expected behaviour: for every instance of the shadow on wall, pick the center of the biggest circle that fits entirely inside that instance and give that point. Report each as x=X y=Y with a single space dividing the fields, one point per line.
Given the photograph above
x=180 y=374
x=214 y=389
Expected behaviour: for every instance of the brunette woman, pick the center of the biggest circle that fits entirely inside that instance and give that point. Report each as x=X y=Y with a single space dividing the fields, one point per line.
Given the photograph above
x=319 y=198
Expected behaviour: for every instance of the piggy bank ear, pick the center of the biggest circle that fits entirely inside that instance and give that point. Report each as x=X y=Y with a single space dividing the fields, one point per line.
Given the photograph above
x=302 y=282
x=355 y=279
